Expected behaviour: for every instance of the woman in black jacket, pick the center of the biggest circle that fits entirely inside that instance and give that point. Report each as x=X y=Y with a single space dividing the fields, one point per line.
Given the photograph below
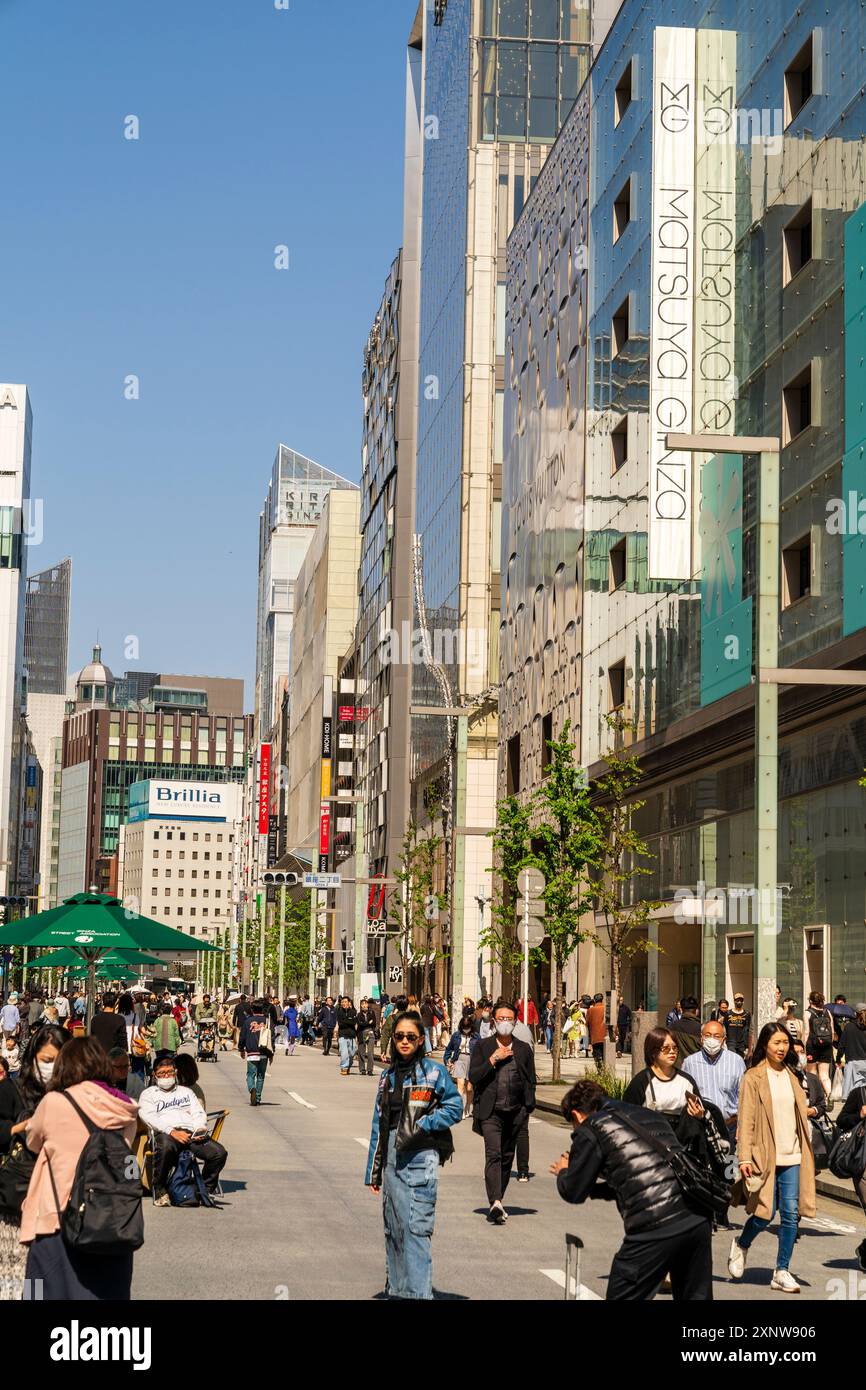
x=37 y=1065
x=853 y=1111
x=347 y=1033
x=663 y=1087
x=852 y=1052
x=365 y=1025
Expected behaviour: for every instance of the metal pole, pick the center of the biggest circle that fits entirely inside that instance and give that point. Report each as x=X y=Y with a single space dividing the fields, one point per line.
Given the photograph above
x=280 y=971
x=314 y=924
x=459 y=862
x=525 y=946
x=767 y=925
x=360 y=904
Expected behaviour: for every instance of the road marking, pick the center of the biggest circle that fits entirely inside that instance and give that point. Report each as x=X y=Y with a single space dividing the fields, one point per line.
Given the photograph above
x=558 y=1277
x=826 y=1223
x=536 y=1122
x=300 y=1099
x=362 y=1142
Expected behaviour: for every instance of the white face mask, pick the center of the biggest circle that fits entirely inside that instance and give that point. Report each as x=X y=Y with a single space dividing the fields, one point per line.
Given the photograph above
x=504 y=1027
x=166 y=1083
x=713 y=1046
x=46 y=1071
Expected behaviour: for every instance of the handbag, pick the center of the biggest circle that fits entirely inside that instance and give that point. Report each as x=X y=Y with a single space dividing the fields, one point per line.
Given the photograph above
x=848 y=1154
x=16 y=1168
x=698 y=1185
x=186 y=1185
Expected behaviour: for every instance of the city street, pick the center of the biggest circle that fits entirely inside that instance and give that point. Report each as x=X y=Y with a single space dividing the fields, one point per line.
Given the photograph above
x=297 y=1222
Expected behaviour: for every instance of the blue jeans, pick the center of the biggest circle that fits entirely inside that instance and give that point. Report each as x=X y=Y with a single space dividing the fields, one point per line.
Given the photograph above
x=548 y=1037
x=348 y=1048
x=409 y=1187
x=786 y=1196
x=256 y=1076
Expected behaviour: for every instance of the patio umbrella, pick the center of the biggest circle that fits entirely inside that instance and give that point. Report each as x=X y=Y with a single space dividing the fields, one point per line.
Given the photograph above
x=65 y=958
x=93 y=925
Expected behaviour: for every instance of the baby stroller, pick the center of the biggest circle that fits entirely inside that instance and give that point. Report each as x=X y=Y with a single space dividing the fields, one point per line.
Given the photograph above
x=206 y=1042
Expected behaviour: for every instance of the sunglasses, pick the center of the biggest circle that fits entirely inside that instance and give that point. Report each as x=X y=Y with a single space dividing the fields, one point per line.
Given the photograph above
x=407 y=1037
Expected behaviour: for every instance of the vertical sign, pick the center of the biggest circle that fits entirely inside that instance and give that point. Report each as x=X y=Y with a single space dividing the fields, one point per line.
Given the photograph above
x=715 y=390
x=325 y=813
x=264 y=788
x=672 y=301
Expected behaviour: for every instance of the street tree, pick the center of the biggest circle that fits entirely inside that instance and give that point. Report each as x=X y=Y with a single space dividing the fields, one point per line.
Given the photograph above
x=415 y=903
x=622 y=861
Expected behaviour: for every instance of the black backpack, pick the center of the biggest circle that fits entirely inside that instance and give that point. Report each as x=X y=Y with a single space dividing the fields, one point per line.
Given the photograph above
x=103 y=1215
x=820 y=1026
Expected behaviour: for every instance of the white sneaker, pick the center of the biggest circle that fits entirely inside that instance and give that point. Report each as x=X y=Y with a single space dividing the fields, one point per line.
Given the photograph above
x=736 y=1260
x=784 y=1281
x=161 y=1199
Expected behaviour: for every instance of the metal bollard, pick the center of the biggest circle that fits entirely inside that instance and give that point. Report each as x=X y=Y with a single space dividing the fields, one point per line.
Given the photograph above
x=573 y=1247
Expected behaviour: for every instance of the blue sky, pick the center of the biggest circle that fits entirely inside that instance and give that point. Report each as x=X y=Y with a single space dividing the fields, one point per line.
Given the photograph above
x=155 y=257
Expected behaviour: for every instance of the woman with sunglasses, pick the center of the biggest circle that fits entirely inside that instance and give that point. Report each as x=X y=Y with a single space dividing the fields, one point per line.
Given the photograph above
x=416 y=1105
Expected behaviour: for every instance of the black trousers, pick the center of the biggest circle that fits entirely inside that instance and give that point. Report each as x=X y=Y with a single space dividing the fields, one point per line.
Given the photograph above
x=522 y=1150
x=501 y=1135
x=327 y=1036
x=67 y=1276
x=639 y=1266
x=211 y=1155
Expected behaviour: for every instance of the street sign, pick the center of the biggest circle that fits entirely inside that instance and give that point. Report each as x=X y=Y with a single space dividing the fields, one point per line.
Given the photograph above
x=322 y=880
x=395 y=974
x=536 y=932
x=378 y=927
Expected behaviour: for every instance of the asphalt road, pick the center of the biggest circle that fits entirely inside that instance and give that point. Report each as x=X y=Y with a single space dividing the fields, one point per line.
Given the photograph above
x=297 y=1223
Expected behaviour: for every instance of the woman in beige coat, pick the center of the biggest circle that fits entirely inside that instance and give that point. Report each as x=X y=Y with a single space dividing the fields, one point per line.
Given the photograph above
x=777 y=1168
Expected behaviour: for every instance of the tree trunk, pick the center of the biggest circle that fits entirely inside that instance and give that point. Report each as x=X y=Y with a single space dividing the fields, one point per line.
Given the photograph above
x=556 y=1050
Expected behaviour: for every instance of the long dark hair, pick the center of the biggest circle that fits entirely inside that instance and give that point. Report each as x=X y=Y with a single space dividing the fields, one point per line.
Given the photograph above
x=766 y=1033
x=410 y=1016
x=31 y=1087
x=82 y=1059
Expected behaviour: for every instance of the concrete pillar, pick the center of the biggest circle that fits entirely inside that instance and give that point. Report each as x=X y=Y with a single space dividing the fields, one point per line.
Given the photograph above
x=767 y=746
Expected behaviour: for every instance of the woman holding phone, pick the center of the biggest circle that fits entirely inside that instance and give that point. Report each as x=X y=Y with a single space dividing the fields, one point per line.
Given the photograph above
x=416 y=1106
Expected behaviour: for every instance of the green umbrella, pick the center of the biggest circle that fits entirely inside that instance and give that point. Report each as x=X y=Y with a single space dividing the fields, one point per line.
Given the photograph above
x=63 y=958
x=93 y=925
x=105 y=972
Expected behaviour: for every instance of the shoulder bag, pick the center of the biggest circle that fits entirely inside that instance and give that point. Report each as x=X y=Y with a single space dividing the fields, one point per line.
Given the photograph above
x=699 y=1185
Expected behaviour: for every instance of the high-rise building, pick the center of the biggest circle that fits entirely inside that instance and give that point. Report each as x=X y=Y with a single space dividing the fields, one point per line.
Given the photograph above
x=713 y=175
x=16 y=428
x=46 y=629
x=499 y=79
x=294 y=503
x=106 y=749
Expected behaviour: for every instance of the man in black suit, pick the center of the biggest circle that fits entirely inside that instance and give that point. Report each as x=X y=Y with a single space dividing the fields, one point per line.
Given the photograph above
x=502 y=1073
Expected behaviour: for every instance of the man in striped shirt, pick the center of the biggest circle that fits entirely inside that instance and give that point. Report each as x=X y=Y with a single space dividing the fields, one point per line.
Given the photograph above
x=717 y=1073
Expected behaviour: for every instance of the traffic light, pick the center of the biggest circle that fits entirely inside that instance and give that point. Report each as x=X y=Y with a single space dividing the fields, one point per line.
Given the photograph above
x=275 y=878
x=13 y=902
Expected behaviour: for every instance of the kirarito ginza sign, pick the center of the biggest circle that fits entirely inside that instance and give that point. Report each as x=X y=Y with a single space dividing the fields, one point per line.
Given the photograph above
x=264 y=788
x=672 y=301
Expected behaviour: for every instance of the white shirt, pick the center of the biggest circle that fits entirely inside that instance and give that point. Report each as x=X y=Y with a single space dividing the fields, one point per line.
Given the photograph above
x=179 y=1108
x=669 y=1097
x=61 y=1004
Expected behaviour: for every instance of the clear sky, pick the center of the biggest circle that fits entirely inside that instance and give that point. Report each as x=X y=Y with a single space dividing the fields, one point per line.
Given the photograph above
x=155 y=257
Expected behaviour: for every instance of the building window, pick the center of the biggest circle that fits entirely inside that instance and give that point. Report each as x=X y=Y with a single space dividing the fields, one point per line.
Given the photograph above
x=622 y=95
x=797 y=243
x=619 y=329
x=798 y=82
x=621 y=210
x=156 y=834
x=797 y=405
x=513 y=769
x=546 y=739
x=616 y=565
x=616 y=686
x=619 y=444
x=153 y=892
x=169 y=835
x=797 y=570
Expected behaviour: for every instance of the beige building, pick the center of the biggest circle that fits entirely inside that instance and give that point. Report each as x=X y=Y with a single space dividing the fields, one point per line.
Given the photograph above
x=326 y=607
x=182 y=872
x=45 y=715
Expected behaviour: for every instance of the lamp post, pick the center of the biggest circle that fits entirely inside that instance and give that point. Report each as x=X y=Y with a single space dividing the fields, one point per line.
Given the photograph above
x=767 y=925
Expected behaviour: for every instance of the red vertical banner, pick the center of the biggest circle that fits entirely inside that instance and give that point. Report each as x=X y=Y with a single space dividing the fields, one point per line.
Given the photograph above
x=264 y=788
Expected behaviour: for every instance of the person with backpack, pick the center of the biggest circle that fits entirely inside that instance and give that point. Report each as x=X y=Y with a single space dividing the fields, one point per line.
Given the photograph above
x=853 y=1113
x=178 y=1121
x=256 y=1045
x=819 y=1039
x=82 y=1123
x=166 y=1039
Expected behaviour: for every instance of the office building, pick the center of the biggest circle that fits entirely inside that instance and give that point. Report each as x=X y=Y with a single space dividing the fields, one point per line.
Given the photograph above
x=16 y=428
x=106 y=750
x=719 y=171
x=46 y=629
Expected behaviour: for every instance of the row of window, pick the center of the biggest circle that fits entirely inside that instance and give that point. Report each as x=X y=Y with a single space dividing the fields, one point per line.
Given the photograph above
x=169 y=835
x=181 y=854
x=193 y=892
x=193 y=873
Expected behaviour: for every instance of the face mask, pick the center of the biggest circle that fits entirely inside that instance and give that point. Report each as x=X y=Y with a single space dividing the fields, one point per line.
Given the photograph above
x=166 y=1083
x=46 y=1071
x=504 y=1028
x=713 y=1046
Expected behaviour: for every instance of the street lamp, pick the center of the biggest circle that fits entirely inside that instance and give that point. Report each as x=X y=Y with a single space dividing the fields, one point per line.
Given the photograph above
x=766 y=701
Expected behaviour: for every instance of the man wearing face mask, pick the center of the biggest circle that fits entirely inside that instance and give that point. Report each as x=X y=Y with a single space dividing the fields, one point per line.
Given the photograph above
x=502 y=1074
x=178 y=1120
x=717 y=1072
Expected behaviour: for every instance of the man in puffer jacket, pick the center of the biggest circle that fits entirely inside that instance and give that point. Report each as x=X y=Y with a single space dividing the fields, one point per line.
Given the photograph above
x=664 y=1234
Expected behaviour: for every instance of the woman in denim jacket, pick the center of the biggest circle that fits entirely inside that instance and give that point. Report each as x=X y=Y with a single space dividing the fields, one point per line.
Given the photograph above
x=416 y=1105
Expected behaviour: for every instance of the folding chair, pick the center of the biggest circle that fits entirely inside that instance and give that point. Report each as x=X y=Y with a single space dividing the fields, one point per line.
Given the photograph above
x=219 y=1118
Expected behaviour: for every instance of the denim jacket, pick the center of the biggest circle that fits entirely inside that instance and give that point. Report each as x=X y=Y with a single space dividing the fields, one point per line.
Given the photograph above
x=431 y=1105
